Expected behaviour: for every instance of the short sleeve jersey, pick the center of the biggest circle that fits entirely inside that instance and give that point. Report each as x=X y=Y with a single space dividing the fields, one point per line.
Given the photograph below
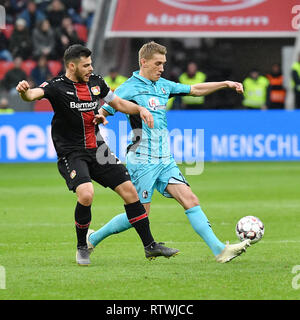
x=75 y=105
x=149 y=143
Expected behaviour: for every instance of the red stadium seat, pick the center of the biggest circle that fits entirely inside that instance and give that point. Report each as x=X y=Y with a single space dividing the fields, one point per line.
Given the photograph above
x=42 y=105
x=9 y=28
x=55 y=67
x=4 y=67
x=82 y=31
x=27 y=66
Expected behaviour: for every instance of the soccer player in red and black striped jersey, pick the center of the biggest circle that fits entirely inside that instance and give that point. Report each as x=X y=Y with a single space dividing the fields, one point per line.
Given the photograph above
x=82 y=153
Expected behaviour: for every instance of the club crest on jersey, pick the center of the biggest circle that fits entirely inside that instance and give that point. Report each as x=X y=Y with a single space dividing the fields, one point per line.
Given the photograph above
x=95 y=90
x=153 y=103
x=163 y=90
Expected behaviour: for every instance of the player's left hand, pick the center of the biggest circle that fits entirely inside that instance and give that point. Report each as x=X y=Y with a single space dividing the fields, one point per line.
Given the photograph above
x=237 y=86
x=147 y=117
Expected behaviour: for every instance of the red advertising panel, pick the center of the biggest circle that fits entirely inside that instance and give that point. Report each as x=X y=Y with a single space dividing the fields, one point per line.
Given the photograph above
x=218 y=18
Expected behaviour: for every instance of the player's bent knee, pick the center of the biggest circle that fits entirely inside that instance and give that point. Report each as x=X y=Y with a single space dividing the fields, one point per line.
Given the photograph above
x=86 y=198
x=128 y=192
x=85 y=194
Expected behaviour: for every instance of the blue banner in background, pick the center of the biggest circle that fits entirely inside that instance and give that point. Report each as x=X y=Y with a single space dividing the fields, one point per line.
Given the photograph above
x=215 y=135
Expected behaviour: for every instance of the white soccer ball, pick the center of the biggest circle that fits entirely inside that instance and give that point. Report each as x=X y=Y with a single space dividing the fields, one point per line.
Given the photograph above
x=250 y=227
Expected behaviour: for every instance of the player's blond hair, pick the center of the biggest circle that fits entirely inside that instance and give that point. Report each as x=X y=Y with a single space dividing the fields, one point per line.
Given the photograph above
x=149 y=49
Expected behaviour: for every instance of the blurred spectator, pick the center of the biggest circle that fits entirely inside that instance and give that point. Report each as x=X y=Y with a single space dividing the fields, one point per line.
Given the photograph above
x=44 y=40
x=41 y=72
x=13 y=8
x=55 y=13
x=4 y=106
x=66 y=36
x=276 y=91
x=255 y=90
x=20 y=44
x=18 y=5
x=4 y=52
x=190 y=77
x=114 y=79
x=73 y=4
x=13 y=76
x=73 y=8
x=42 y=4
x=88 y=8
x=32 y=15
x=296 y=82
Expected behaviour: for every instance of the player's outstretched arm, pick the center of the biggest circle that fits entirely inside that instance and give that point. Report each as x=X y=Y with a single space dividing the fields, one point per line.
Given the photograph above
x=28 y=94
x=129 y=107
x=203 y=89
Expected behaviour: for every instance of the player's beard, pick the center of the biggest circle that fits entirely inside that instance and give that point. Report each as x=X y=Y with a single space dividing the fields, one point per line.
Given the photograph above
x=79 y=76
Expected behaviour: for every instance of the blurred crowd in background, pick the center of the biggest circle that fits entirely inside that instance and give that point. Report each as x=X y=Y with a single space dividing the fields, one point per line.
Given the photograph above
x=36 y=36
x=38 y=32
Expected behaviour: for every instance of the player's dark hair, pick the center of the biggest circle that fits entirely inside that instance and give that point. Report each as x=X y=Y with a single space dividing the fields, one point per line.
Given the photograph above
x=75 y=52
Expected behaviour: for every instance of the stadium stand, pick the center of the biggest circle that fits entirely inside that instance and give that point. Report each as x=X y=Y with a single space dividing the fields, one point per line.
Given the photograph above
x=28 y=66
x=82 y=31
x=4 y=67
x=73 y=10
x=55 y=67
x=42 y=105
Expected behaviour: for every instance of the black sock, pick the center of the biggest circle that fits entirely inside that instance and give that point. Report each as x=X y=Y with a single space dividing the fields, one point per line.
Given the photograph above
x=138 y=218
x=82 y=222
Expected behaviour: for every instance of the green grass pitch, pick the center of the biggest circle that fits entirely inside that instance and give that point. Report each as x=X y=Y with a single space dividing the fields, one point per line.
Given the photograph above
x=37 y=238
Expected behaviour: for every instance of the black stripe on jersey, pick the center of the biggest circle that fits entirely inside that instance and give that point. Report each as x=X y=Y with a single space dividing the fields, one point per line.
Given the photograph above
x=136 y=126
x=177 y=94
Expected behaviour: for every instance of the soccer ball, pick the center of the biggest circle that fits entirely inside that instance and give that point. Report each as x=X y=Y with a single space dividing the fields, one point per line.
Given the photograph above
x=250 y=227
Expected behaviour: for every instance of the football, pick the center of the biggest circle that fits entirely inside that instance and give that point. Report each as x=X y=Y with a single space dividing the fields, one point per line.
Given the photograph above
x=250 y=227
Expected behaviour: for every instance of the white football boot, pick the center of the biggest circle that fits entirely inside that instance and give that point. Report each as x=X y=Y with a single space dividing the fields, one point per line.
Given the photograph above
x=231 y=251
x=90 y=246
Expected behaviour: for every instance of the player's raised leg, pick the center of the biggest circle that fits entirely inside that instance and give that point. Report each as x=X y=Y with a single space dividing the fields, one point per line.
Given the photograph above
x=189 y=201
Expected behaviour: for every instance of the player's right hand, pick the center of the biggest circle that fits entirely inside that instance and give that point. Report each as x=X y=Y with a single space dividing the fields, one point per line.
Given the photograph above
x=22 y=86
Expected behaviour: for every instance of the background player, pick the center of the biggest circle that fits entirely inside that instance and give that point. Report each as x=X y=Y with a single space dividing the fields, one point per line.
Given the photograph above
x=149 y=161
x=81 y=158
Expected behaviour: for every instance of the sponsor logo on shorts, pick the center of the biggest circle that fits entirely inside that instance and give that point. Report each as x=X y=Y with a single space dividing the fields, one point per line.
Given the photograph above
x=145 y=194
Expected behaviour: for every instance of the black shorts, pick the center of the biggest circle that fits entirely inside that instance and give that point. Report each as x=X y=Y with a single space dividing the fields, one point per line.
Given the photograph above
x=98 y=164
